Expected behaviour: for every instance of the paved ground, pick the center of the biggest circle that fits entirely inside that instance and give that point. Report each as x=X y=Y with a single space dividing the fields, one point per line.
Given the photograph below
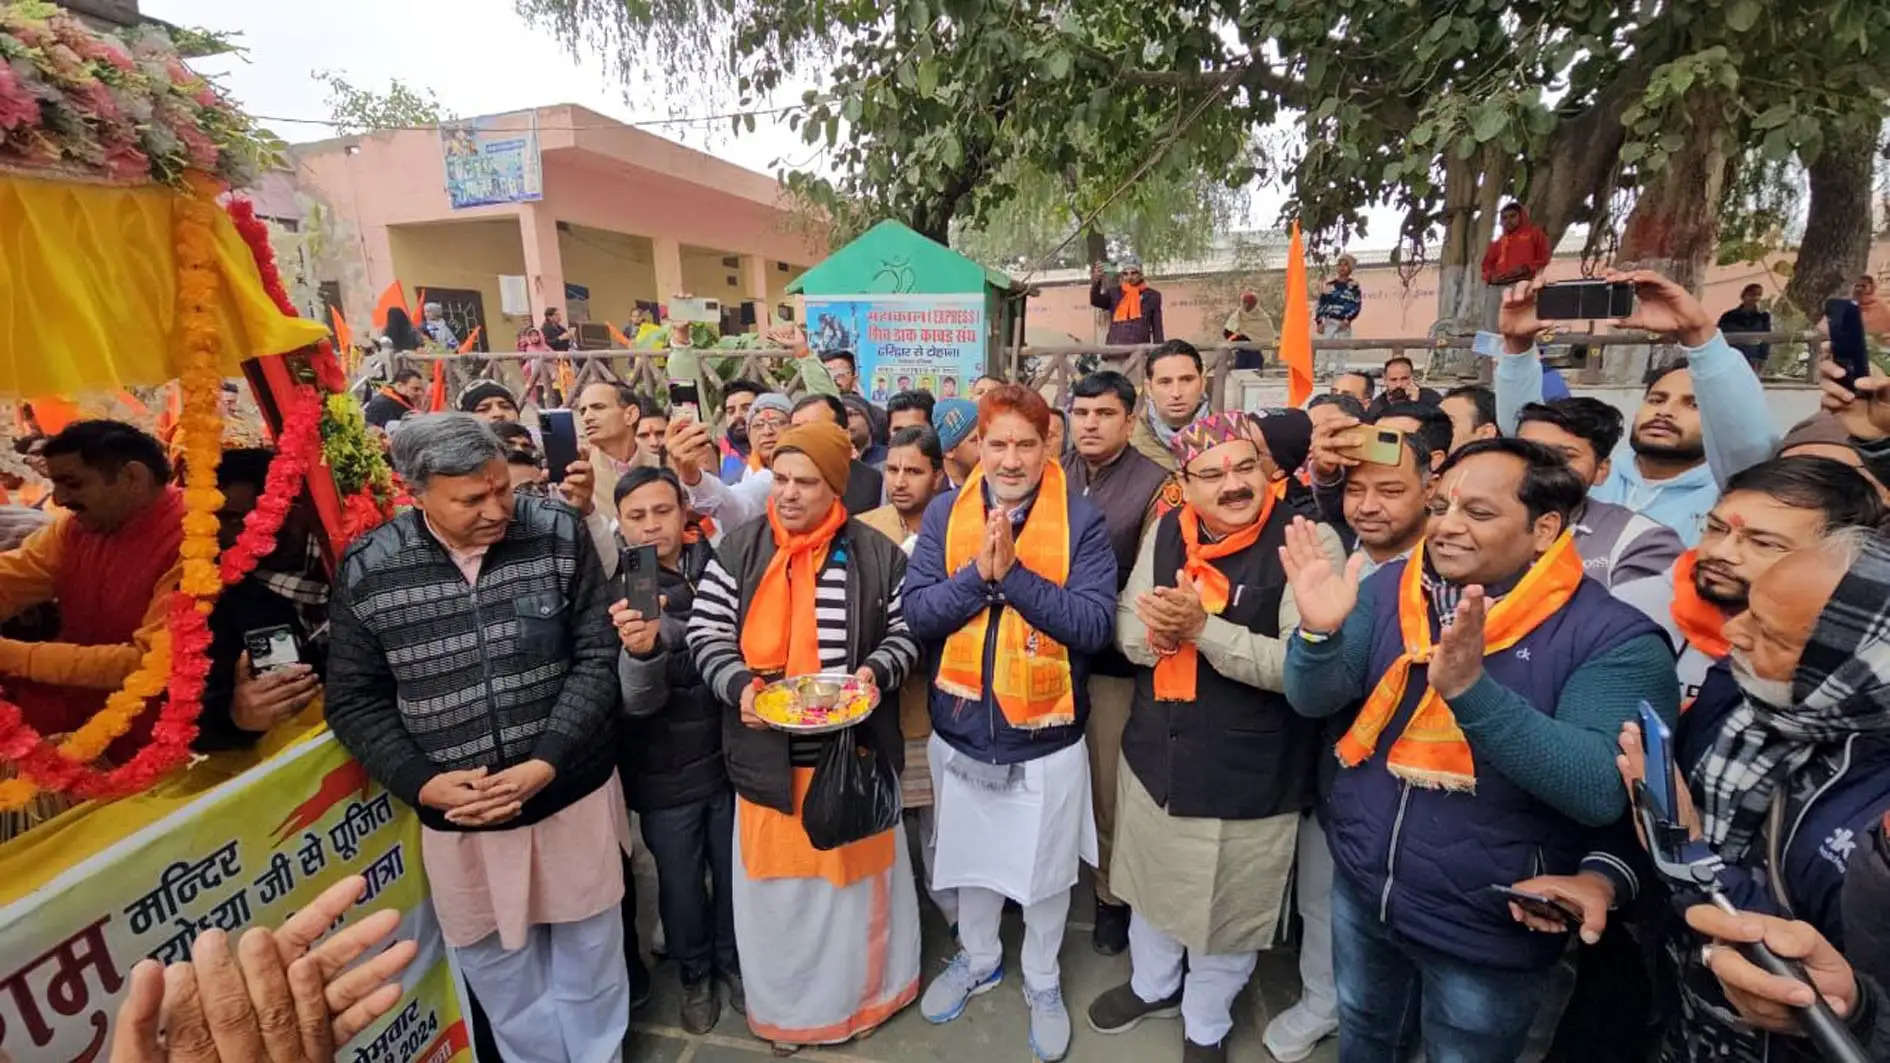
x=993 y=1027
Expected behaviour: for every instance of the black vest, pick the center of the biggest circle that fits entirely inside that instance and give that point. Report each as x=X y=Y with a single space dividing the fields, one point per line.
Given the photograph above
x=1236 y=752
x=758 y=760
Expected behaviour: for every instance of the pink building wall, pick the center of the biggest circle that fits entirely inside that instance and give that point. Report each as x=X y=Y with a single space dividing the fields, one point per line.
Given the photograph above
x=661 y=218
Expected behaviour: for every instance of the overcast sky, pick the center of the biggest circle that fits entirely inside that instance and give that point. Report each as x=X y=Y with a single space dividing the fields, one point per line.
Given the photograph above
x=479 y=57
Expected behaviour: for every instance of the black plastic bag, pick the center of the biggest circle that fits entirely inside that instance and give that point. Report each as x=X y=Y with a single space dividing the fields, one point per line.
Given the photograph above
x=854 y=793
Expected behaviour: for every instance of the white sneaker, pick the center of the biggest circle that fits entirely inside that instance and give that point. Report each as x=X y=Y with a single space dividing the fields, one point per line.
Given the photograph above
x=1295 y=1032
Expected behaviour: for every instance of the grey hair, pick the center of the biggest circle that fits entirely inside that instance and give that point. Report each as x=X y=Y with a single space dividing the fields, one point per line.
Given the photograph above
x=1843 y=546
x=431 y=306
x=443 y=444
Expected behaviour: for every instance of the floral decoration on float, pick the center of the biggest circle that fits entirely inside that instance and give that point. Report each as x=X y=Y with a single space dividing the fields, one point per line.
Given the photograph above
x=113 y=155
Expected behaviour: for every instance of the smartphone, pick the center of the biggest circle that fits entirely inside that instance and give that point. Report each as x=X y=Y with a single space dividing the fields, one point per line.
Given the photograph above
x=1540 y=905
x=1380 y=446
x=271 y=648
x=636 y=580
x=1848 y=347
x=1657 y=748
x=559 y=430
x=685 y=401
x=1566 y=300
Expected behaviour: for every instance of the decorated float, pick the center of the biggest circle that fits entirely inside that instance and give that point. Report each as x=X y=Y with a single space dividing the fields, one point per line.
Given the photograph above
x=130 y=264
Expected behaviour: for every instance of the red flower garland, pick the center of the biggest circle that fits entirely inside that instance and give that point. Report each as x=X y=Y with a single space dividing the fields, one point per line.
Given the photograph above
x=297 y=450
x=329 y=375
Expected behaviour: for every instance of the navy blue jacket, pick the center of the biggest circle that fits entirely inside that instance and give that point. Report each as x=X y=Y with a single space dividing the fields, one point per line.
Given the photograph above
x=1425 y=857
x=1822 y=835
x=1081 y=615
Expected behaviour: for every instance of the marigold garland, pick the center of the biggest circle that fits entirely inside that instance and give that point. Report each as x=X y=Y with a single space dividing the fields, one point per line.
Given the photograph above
x=177 y=659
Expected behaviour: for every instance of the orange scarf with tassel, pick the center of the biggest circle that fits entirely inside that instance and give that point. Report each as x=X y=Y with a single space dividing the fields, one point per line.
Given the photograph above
x=1432 y=750
x=1030 y=671
x=1175 y=673
x=1129 y=307
x=778 y=634
x=1702 y=622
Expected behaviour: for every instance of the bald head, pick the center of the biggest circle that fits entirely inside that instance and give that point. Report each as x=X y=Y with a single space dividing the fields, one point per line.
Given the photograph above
x=1783 y=607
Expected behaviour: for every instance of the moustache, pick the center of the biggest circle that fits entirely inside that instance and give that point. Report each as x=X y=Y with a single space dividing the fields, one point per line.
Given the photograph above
x=1234 y=498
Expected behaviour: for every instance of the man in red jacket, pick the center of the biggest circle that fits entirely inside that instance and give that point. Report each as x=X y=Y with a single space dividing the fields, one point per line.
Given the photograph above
x=1519 y=252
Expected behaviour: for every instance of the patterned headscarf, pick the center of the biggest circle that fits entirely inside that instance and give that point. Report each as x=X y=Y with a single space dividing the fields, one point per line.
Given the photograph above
x=1841 y=688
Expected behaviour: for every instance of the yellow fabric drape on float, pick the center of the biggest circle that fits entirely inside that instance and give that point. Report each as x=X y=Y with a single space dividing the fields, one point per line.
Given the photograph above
x=88 y=295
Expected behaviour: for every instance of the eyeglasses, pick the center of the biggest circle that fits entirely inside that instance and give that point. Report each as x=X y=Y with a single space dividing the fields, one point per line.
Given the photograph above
x=1213 y=477
x=767 y=421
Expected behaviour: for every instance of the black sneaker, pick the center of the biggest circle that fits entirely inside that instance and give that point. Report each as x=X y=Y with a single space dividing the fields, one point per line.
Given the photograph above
x=737 y=997
x=1120 y=1010
x=1193 y=1053
x=1111 y=935
x=699 y=1007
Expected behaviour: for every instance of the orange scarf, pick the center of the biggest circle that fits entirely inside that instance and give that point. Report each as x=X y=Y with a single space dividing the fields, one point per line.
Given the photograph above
x=1030 y=671
x=1175 y=673
x=1702 y=622
x=1129 y=307
x=779 y=635
x=1432 y=751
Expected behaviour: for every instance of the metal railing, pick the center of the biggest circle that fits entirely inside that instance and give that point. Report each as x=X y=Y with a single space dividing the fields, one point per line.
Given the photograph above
x=1057 y=368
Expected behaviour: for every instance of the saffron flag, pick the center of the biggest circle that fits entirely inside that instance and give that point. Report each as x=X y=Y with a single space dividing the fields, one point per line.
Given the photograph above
x=436 y=394
x=390 y=298
x=471 y=343
x=1296 y=325
x=617 y=337
x=344 y=336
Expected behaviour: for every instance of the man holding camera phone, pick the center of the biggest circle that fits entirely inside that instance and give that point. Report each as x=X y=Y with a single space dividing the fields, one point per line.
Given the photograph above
x=1702 y=417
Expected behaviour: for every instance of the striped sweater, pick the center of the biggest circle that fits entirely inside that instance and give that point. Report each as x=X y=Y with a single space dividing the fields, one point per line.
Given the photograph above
x=860 y=619
x=427 y=673
x=716 y=636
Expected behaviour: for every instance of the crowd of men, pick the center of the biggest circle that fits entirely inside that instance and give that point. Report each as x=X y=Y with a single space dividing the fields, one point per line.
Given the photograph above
x=1378 y=663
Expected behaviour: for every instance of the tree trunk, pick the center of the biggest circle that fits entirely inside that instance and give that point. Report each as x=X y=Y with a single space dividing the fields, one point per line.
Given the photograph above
x=1096 y=249
x=1674 y=227
x=1836 y=244
x=1473 y=193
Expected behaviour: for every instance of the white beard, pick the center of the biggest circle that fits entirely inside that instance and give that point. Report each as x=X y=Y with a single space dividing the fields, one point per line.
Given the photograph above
x=1764 y=691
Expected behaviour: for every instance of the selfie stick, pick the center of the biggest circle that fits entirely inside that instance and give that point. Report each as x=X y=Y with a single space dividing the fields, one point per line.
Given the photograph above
x=1694 y=865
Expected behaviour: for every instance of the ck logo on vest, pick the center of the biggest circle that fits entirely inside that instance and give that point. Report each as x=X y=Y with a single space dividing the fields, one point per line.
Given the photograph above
x=1522 y=654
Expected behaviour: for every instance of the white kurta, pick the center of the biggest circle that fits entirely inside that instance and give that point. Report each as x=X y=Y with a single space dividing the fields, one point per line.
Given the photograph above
x=1025 y=842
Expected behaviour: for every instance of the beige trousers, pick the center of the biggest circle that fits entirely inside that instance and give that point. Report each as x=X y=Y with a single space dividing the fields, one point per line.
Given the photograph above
x=1109 y=701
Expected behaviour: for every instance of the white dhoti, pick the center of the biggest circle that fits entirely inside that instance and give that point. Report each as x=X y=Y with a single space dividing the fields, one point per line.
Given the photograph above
x=1209 y=891
x=822 y=964
x=1026 y=841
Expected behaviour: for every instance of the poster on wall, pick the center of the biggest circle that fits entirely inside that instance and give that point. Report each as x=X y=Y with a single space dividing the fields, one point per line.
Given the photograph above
x=248 y=852
x=491 y=160
x=932 y=343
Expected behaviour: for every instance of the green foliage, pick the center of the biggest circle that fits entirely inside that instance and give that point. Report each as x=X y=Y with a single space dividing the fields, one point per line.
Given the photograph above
x=933 y=111
x=1167 y=216
x=358 y=110
x=941 y=112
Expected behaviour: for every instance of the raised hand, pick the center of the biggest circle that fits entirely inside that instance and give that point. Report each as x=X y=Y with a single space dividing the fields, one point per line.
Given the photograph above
x=1457 y=662
x=1664 y=307
x=577 y=484
x=1865 y=414
x=686 y=442
x=1330 y=453
x=1518 y=321
x=1325 y=593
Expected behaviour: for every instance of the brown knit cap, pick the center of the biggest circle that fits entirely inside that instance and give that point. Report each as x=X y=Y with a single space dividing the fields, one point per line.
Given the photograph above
x=827 y=445
x=1818 y=428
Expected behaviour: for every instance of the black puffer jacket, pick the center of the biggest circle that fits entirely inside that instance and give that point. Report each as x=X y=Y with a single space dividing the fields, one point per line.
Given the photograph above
x=428 y=674
x=672 y=746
